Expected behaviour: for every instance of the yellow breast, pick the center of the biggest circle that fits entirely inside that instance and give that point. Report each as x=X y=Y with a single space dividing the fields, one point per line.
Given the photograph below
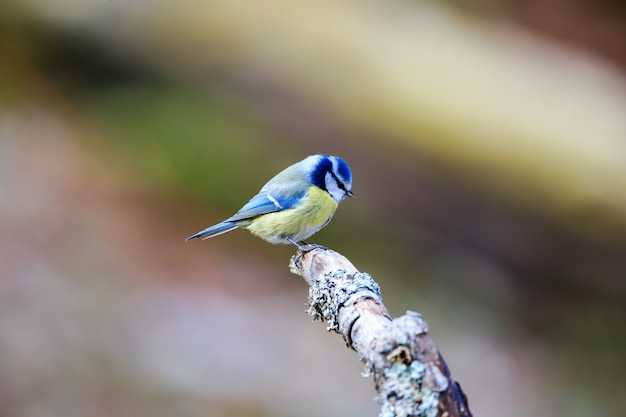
x=312 y=213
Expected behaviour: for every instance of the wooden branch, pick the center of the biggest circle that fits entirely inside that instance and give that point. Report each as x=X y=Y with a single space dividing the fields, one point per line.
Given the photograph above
x=410 y=375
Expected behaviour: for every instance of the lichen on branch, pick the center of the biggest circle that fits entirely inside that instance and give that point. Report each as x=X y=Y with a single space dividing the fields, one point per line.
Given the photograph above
x=409 y=373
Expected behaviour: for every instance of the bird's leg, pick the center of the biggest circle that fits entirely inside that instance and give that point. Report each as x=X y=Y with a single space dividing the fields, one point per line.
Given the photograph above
x=293 y=242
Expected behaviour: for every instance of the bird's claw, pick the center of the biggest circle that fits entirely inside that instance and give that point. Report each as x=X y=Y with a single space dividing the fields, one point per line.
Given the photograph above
x=305 y=249
x=310 y=246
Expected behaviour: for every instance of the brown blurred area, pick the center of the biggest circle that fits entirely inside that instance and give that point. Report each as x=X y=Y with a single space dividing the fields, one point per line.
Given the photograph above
x=487 y=141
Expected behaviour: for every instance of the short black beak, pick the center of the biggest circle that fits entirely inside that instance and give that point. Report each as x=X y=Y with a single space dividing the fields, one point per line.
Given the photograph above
x=350 y=193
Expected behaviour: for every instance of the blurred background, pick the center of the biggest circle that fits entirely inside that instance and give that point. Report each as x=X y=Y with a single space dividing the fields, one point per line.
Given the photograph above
x=487 y=140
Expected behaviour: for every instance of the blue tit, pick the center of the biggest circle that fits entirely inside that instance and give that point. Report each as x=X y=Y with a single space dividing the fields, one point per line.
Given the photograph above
x=293 y=205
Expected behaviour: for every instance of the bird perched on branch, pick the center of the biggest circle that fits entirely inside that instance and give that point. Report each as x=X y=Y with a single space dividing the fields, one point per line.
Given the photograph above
x=293 y=205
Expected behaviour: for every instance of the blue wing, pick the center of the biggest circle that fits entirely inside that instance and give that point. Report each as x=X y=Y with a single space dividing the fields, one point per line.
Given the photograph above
x=260 y=204
x=214 y=230
x=265 y=202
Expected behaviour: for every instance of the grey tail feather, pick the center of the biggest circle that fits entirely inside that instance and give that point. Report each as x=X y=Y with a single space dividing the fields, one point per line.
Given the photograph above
x=215 y=230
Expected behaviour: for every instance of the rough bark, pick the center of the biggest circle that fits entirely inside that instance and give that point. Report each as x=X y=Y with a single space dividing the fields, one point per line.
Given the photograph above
x=409 y=373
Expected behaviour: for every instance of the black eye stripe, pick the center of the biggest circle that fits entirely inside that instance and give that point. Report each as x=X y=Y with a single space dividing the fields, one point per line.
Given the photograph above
x=339 y=183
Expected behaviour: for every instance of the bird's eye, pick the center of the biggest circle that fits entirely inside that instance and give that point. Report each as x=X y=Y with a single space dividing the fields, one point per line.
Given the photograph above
x=340 y=184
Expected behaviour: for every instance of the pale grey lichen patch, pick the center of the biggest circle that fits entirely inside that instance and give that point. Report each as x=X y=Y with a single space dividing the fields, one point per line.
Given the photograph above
x=412 y=323
x=335 y=290
x=434 y=379
x=401 y=332
x=403 y=395
x=429 y=406
x=408 y=387
x=367 y=369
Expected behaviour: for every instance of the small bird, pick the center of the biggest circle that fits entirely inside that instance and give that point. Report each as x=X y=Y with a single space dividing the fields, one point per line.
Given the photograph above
x=293 y=205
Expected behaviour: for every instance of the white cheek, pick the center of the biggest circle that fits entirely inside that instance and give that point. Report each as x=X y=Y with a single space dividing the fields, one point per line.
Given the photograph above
x=333 y=188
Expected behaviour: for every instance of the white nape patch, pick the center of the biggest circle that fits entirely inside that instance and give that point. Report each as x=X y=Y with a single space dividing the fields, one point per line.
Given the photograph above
x=309 y=163
x=273 y=200
x=335 y=164
x=333 y=161
x=333 y=188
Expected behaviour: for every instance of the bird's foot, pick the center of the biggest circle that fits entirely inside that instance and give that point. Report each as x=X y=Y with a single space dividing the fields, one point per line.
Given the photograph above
x=310 y=246
x=304 y=248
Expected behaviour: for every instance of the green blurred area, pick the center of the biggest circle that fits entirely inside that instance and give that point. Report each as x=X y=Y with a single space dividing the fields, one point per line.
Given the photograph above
x=183 y=140
x=488 y=168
